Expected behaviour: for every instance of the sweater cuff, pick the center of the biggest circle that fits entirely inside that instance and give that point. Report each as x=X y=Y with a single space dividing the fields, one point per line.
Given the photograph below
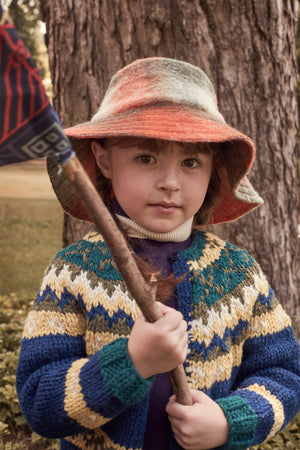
x=242 y=422
x=119 y=374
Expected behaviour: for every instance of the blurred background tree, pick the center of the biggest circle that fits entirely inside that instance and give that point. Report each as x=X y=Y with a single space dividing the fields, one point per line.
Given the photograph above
x=298 y=86
x=26 y=16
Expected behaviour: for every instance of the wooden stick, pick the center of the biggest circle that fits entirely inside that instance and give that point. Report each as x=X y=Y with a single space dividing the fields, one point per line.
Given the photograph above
x=144 y=293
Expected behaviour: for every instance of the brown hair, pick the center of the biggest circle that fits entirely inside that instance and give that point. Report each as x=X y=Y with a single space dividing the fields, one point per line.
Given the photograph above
x=167 y=285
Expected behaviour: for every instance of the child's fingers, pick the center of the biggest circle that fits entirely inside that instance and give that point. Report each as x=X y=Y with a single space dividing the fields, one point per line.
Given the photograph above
x=168 y=309
x=164 y=308
x=179 y=411
x=199 y=396
x=170 y=321
x=160 y=346
x=175 y=410
x=200 y=426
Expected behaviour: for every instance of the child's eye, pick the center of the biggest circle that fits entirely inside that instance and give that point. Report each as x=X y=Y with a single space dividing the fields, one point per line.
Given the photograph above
x=191 y=163
x=146 y=159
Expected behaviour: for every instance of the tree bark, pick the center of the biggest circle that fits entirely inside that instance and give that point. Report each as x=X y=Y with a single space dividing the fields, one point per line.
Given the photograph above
x=247 y=48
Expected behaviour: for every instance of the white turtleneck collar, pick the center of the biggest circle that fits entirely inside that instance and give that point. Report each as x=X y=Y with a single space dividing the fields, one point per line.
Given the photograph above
x=134 y=230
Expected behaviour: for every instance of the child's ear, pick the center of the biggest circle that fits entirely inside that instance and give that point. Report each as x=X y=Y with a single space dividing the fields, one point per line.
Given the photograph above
x=102 y=158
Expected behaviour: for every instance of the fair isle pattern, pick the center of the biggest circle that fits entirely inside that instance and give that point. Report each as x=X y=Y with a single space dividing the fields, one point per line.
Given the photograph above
x=210 y=321
x=242 y=351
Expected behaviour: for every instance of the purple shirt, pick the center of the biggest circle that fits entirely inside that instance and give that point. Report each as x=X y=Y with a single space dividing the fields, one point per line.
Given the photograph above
x=159 y=254
x=157 y=434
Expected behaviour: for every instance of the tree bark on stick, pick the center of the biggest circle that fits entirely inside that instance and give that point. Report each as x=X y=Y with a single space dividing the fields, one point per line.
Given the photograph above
x=247 y=48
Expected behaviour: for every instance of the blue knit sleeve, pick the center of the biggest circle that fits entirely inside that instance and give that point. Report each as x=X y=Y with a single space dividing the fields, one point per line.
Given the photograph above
x=266 y=395
x=58 y=381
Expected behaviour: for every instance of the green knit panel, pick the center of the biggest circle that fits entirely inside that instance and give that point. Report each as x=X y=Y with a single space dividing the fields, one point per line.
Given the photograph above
x=121 y=378
x=242 y=422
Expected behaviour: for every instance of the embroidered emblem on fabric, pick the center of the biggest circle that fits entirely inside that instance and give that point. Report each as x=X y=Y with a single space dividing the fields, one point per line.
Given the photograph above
x=44 y=143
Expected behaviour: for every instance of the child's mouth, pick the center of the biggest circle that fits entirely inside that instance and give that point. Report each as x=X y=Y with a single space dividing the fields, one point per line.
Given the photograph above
x=165 y=207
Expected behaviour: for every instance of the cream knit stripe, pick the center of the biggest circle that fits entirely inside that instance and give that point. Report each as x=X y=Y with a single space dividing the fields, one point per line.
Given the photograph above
x=74 y=402
x=96 y=340
x=136 y=231
x=44 y=323
x=269 y=323
x=202 y=375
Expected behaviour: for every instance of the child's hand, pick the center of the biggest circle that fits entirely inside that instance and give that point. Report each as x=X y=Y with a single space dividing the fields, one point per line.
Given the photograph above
x=201 y=426
x=160 y=346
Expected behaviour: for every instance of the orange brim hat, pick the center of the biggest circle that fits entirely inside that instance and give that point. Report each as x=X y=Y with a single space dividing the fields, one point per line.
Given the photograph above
x=162 y=98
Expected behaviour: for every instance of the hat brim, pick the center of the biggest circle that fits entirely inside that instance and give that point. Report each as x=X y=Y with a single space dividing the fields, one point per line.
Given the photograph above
x=160 y=121
x=173 y=123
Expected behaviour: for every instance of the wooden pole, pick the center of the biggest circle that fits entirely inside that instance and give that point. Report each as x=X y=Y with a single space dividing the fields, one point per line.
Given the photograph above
x=144 y=293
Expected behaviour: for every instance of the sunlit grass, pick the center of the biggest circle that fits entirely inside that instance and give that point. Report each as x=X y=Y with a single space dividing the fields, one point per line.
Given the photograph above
x=30 y=235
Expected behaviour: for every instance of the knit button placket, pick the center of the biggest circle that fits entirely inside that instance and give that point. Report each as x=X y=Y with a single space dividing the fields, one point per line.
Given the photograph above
x=174 y=257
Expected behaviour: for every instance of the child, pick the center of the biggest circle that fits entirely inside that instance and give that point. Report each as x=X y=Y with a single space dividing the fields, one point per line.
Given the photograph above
x=92 y=371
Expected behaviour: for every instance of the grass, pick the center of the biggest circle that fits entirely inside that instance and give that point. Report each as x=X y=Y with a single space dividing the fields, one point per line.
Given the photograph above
x=30 y=235
x=15 y=434
x=30 y=227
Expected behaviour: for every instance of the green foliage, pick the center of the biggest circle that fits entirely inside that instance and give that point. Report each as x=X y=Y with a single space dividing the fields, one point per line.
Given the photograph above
x=14 y=432
x=287 y=439
x=26 y=18
x=11 y=325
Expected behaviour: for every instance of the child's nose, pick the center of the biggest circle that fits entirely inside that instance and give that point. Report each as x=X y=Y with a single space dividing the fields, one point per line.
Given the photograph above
x=168 y=179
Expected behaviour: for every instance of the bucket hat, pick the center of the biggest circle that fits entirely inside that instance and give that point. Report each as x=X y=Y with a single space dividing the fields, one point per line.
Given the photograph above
x=166 y=99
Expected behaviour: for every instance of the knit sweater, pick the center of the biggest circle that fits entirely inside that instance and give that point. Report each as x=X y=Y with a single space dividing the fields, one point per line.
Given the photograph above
x=75 y=380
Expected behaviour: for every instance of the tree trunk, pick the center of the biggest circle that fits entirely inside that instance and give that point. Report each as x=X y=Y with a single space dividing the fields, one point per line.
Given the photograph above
x=248 y=49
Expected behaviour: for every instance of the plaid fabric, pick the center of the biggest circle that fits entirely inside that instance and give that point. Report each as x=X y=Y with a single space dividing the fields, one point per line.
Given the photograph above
x=29 y=126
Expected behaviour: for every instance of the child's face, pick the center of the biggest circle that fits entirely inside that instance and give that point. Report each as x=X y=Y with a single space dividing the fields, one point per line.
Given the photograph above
x=158 y=188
